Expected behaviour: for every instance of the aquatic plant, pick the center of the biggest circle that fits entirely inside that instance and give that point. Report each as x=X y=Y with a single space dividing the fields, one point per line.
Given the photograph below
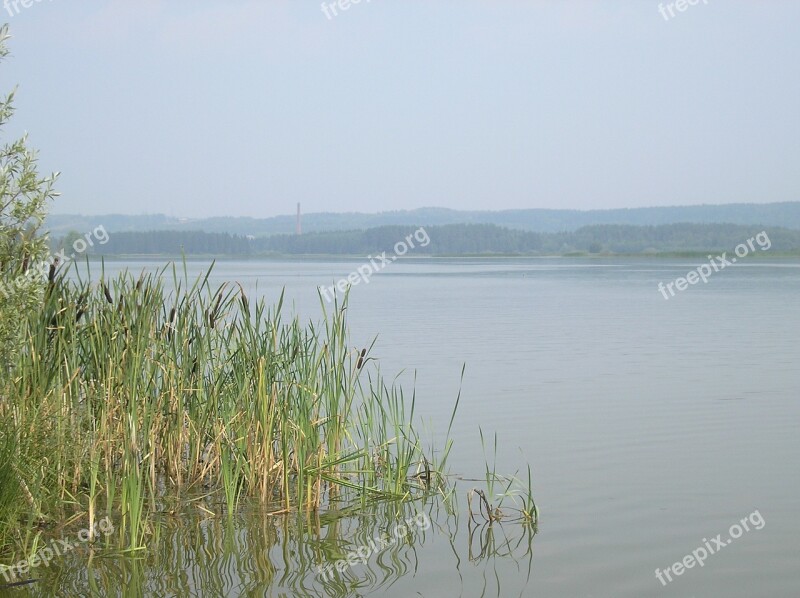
x=139 y=398
x=491 y=508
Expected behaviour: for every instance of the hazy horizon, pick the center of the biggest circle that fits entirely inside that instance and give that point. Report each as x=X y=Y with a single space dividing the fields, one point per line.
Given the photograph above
x=246 y=108
x=292 y=214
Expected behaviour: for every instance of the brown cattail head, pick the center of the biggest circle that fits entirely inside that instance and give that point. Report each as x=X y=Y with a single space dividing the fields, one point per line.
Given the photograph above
x=212 y=317
x=81 y=305
x=107 y=293
x=360 y=362
x=170 y=328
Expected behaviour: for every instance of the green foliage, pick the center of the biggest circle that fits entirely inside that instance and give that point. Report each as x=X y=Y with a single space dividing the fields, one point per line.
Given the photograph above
x=9 y=486
x=23 y=198
x=170 y=243
x=66 y=242
x=140 y=395
x=460 y=239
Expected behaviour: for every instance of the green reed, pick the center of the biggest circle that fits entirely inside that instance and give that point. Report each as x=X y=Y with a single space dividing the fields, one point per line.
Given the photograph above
x=130 y=398
x=10 y=491
x=491 y=509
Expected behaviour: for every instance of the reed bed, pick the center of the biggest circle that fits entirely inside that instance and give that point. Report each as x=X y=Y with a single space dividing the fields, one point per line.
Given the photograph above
x=131 y=400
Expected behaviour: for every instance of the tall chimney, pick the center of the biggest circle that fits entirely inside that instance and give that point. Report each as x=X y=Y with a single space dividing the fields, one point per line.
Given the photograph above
x=299 y=224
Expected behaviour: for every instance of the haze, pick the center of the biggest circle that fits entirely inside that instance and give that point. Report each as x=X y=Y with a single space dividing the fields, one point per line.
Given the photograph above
x=244 y=108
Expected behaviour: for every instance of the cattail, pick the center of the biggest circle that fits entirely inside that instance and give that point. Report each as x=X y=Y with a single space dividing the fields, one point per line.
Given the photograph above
x=107 y=293
x=243 y=296
x=81 y=305
x=170 y=327
x=212 y=317
x=360 y=361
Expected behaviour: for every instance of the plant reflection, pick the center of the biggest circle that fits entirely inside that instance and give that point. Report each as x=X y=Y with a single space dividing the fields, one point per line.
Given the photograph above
x=251 y=554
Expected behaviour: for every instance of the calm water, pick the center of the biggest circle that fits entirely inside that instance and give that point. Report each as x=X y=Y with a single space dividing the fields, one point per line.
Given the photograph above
x=650 y=426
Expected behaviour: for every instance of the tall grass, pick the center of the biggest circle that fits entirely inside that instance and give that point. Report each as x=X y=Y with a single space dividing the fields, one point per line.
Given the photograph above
x=136 y=398
x=10 y=491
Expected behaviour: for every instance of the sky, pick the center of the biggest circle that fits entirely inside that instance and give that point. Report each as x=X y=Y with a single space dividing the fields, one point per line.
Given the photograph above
x=193 y=108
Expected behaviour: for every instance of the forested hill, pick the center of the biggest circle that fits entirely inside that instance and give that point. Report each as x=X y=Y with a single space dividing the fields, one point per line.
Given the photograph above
x=536 y=220
x=457 y=239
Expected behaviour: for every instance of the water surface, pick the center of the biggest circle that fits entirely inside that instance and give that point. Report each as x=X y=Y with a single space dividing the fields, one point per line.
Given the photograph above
x=649 y=424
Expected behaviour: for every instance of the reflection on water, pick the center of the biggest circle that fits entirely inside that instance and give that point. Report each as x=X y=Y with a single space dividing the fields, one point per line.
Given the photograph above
x=338 y=553
x=649 y=424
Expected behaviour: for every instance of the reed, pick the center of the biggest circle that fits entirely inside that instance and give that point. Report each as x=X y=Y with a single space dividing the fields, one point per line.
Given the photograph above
x=10 y=491
x=132 y=398
x=493 y=508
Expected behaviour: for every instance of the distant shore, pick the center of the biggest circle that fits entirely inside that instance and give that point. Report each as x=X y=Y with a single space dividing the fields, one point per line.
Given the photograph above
x=347 y=257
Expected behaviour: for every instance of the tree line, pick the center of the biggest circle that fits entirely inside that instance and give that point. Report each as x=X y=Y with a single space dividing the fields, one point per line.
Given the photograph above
x=454 y=239
x=786 y=214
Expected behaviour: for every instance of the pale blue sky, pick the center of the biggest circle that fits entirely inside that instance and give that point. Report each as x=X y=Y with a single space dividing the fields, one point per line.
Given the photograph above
x=199 y=108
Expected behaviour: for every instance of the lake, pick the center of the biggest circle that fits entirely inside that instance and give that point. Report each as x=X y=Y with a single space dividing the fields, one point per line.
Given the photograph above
x=651 y=426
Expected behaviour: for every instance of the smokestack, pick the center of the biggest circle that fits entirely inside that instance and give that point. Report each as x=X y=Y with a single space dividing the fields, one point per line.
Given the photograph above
x=299 y=223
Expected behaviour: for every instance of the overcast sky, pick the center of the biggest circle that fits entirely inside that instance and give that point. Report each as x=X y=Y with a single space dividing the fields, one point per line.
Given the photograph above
x=199 y=108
